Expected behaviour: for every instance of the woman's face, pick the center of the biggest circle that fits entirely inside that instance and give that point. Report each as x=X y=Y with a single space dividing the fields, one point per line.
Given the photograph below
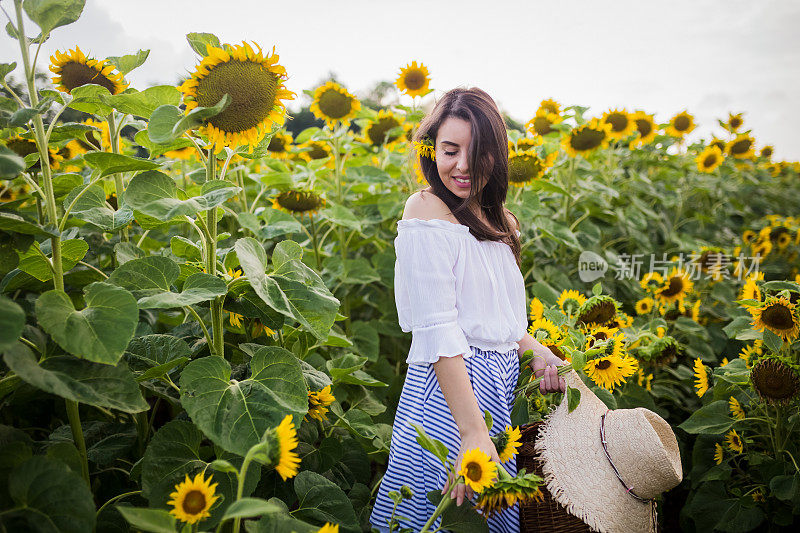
x=452 y=155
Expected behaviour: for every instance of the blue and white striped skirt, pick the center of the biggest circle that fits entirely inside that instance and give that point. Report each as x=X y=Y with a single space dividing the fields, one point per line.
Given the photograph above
x=493 y=376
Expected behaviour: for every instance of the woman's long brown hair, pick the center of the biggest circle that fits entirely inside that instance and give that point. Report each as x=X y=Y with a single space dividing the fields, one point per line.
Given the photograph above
x=489 y=137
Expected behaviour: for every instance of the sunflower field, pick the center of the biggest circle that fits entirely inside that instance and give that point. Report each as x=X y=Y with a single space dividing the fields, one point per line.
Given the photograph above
x=197 y=319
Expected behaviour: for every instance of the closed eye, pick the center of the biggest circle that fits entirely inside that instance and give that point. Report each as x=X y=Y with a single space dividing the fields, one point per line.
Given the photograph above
x=449 y=153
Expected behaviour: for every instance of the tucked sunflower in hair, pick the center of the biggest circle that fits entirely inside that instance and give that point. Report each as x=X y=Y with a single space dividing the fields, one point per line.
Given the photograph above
x=73 y=69
x=255 y=84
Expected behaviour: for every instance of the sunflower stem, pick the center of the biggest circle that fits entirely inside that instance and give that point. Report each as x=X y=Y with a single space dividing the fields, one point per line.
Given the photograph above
x=562 y=369
x=218 y=348
x=314 y=241
x=248 y=458
x=444 y=503
x=340 y=230
x=77 y=436
x=42 y=147
x=119 y=185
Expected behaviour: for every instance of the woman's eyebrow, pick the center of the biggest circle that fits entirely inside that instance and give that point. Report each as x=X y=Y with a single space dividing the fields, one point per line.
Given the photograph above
x=450 y=143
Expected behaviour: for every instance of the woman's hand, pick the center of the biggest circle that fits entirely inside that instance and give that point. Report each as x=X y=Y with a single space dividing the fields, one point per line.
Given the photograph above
x=468 y=442
x=545 y=363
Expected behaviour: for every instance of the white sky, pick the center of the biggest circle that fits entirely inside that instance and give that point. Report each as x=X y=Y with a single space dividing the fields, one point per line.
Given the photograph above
x=707 y=56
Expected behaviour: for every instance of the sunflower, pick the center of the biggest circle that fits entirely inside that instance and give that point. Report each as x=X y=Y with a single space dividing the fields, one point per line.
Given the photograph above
x=748 y=236
x=23 y=147
x=767 y=151
x=736 y=409
x=644 y=380
x=676 y=286
x=537 y=308
x=661 y=351
x=733 y=123
x=651 y=282
x=585 y=139
x=332 y=103
x=253 y=82
x=719 y=453
x=551 y=106
x=73 y=69
x=596 y=332
x=508 y=491
x=235 y=320
x=570 y=301
x=775 y=381
x=709 y=159
x=701 y=377
x=316 y=150
x=329 y=528
x=680 y=124
x=192 y=499
x=413 y=79
x=526 y=166
x=185 y=154
x=734 y=441
x=379 y=131
x=542 y=324
x=299 y=202
x=750 y=291
x=761 y=247
x=719 y=143
x=645 y=126
x=425 y=148
x=260 y=329
x=644 y=306
x=610 y=371
x=279 y=145
x=525 y=143
x=598 y=309
x=622 y=123
x=478 y=470
x=750 y=352
x=506 y=442
x=542 y=121
x=286 y=462
x=742 y=147
x=778 y=315
x=318 y=403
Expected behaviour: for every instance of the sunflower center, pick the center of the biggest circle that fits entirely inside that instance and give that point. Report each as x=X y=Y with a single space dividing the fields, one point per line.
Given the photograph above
x=474 y=471
x=740 y=147
x=298 y=202
x=74 y=74
x=194 y=502
x=605 y=364
x=682 y=123
x=675 y=287
x=778 y=316
x=317 y=151
x=587 y=138
x=379 y=130
x=542 y=125
x=644 y=127
x=735 y=122
x=252 y=90
x=414 y=80
x=277 y=144
x=334 y=104
x=618 y=121
x=523 y=168
x=710 y=160
x=766 y=152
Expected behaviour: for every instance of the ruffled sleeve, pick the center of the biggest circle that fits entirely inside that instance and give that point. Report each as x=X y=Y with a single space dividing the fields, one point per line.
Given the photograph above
x=425 y=289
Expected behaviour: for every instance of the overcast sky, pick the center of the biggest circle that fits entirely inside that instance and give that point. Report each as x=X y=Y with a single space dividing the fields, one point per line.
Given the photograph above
x=707 y=56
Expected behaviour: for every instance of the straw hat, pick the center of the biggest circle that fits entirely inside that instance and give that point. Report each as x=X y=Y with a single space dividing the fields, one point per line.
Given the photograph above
x=581 y=477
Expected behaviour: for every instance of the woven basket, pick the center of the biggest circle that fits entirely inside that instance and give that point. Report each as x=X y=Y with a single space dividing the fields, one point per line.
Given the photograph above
x=547 y=516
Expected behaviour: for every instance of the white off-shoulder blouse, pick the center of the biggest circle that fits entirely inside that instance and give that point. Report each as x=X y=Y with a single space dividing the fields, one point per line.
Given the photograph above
x=453 y=291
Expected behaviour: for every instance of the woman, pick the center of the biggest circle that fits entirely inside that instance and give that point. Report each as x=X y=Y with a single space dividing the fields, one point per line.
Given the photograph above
x=460 y=292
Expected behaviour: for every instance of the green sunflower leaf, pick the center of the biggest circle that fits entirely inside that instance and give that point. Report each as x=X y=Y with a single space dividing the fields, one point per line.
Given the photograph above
x=234 y=414
x=109 y=163
x=198 y=287
x=50 y=497
x=101 y=331
x=168 y=122
x=129 y=62
x=32 y=262
x=143 y=103
x=12 y=321
x=86 y=98
x=321 y=501
x=711 y=419
x=109 y=387
x=146 y=276
x=150 y=520
x=91 y=207
x=200 y=41
x=52 y=14
x=155 y=194
x=10 y=163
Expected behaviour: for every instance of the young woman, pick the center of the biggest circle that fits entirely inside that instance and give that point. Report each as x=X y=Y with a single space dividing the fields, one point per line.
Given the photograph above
x=460 y=292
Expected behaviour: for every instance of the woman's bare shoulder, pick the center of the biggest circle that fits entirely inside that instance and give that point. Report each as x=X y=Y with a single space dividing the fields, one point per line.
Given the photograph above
x=426 y=205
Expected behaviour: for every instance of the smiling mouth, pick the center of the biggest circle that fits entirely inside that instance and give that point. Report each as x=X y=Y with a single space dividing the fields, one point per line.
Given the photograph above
x=461 y=179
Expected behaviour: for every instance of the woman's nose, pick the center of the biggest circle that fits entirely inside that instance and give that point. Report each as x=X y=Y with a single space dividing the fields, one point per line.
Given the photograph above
x=462 y=163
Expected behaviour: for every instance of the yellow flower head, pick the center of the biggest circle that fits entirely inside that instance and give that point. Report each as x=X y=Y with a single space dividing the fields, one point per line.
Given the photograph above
x=719 y=453
x=676 y=286
x=537 y=308
x=288 y=462
x=192 y=499
x=742 y=147
x=587 y=138
x=507 y=443
x=777 y=314
x=680 y=125
x=333 y=103
x=542 y=121
x=570 y=301
x=254 y=83
x=734 y=441
x=478 y=470
x=329 y=528
x=542 y=324
x=413 y=79
x=73 y=69
x=709 y=159
x=622 y=123
x=644 y=306
x=610 y=371
x=318 y=403
x=736 y=409
x=701 y=377
x=646 y=128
